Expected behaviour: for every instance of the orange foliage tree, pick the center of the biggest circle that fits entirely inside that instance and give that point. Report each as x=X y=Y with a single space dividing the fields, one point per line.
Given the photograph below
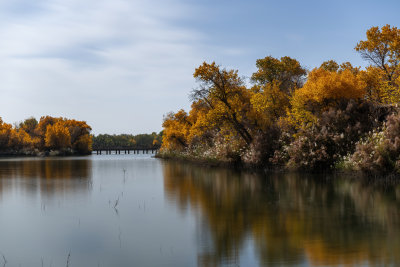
x=57 y=136
x=323 y=89
x=49 y=133
x=382 y=49
x=227 y=97
x=176 y=129
x=5 y=132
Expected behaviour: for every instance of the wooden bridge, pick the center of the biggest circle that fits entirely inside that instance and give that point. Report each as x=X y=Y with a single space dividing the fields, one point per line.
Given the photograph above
x=125 y=150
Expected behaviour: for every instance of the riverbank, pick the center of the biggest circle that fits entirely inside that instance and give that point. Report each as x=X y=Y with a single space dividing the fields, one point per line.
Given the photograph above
x=383 y=178
x=209 y=162
x=38 y=153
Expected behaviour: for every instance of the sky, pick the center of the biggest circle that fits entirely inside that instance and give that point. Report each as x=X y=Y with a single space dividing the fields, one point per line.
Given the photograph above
x=121 y=65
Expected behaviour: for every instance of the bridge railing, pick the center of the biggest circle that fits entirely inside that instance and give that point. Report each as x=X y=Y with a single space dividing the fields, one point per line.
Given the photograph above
x=125 y=150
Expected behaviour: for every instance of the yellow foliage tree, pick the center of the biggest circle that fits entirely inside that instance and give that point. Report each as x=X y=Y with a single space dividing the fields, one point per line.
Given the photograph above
x=330 y=65
x=57 y=136
x=81 y=140
x=287 y=72
x=200 y=129
x=323 y=89
x=176 y=129
x=29 y=125
x=49 y=133
x=382 y=50
x=268 y=104
x=20 y=139
x=227 y=97
x=5 y=131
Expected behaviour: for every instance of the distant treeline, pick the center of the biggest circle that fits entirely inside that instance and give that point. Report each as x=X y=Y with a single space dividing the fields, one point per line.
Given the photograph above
x=140 y=141
x=54 y=136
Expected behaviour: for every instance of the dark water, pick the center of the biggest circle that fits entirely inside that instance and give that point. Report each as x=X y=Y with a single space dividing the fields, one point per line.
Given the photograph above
x=133 y=210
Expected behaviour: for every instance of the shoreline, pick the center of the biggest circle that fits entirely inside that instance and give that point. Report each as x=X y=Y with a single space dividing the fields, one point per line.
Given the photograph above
x=40 y=154
x=392 y=178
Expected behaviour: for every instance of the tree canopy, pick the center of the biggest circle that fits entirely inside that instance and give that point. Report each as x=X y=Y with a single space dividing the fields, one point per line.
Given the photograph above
x=288 y=115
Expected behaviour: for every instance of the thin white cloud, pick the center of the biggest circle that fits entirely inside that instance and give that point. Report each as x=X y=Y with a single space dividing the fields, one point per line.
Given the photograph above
x=117 y=64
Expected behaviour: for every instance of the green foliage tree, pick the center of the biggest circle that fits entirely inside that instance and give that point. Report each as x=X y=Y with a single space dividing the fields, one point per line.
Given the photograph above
x=126 y=140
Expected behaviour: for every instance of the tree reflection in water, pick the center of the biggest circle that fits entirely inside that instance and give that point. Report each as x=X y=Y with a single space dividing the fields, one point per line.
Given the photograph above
x=49 y=177
x=290 y=218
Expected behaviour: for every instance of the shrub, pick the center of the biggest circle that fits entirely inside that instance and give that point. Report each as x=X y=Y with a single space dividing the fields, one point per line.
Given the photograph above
x=380 y=151
x=262 y=148
x=334 y=135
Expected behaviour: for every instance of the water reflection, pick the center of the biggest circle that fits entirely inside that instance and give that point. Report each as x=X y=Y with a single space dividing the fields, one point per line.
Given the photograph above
x=47 y=177
x=289 y=219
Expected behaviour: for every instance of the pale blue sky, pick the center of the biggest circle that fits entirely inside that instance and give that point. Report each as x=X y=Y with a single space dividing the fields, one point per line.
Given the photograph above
x=121 y=64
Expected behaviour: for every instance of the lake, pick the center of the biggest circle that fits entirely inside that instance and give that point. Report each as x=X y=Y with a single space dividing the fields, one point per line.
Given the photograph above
x=134 y=210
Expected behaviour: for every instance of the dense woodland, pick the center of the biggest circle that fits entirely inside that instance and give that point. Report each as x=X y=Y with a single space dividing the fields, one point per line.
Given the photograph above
x=54 y=136
x=139 y=141
x=333 y=116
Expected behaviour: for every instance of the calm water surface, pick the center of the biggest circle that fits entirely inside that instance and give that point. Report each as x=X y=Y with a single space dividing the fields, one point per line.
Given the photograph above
x=133 y=210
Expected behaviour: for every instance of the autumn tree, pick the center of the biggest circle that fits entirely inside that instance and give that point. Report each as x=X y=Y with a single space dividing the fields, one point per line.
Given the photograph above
x=378 y=89
x=287 y=72
x=322 y=90
x=41 y=129
x=268 y=104
x=44 y=122
x=83 y=144
x=57 y=136
x=31 y=136
x=348 y=66
x=80 y=135
x=283 y=108
x=274 y=81
x=201 y=130
x=382 y=50
x=224 y=92
x=176 y=129
x=5 y=131
x=333 y=66
x=20 y=139
x=330 y=65
x=29 y=125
